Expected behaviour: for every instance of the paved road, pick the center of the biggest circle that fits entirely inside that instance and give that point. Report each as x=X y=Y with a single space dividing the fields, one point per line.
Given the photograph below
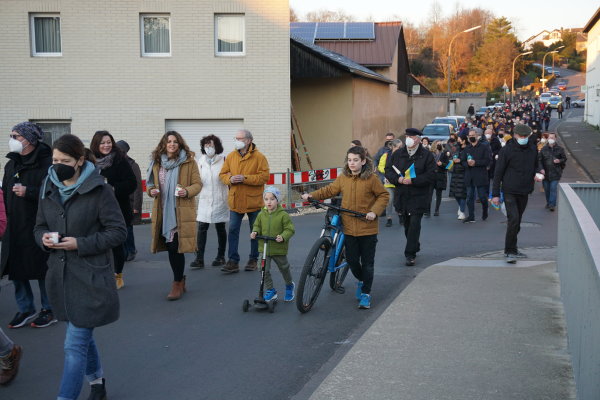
x=204 y=347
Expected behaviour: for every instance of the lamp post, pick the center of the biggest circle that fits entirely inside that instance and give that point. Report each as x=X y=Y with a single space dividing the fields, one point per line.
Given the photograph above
x=544 y=62
x=449 y=49
x=558 y=48
x=512 y=88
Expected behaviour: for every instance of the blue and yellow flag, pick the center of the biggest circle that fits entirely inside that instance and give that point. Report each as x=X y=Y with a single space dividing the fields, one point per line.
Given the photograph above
x=410 y=172
x=450 y=164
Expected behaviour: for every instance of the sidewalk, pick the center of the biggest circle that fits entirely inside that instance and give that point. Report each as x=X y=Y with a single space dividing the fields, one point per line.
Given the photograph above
x=467 y=328
x=582 y=141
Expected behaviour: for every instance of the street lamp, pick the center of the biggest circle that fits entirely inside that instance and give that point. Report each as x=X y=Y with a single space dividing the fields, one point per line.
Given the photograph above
x=544 y=62
x=558 y=48
x=512 y=89
x=449 y=48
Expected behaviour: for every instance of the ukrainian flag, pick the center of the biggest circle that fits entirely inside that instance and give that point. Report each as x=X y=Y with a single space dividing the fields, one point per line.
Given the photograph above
x=450 y=164
x=410 y=172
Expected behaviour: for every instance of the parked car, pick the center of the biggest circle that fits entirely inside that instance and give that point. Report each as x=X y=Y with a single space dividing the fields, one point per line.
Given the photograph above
x=481 y=112
x=562 y=85
x=545 y=97
x=438 y=131
x=554 y=101
x=499 y=105
x=459 y=118
x=446 y=120
x=578 y=103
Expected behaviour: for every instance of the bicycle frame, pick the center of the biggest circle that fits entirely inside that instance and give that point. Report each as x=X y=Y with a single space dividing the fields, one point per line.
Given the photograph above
x=337 y=242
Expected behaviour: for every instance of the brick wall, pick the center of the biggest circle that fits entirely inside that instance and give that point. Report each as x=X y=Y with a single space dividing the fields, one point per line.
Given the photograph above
x=102 y=82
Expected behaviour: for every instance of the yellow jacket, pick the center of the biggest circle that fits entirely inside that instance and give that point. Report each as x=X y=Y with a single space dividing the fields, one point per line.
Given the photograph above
x=246 y=196
x=381 y=168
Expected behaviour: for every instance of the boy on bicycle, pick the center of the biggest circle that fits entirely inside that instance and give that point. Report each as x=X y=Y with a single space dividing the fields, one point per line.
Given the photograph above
x=273 y=220
x=362 y=191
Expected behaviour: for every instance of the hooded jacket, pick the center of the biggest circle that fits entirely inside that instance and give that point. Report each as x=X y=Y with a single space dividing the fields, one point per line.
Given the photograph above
x=80 y=283
x=272 y=224
x=362 y=193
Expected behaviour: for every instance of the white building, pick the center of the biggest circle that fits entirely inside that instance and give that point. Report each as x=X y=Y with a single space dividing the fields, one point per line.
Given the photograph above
x=138 y=68
x=592 y=76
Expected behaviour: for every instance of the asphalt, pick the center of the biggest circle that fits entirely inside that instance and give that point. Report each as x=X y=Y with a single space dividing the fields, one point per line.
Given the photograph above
x=582 y=140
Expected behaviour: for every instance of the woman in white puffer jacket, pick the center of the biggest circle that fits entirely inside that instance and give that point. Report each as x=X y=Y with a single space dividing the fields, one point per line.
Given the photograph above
x=212 y=200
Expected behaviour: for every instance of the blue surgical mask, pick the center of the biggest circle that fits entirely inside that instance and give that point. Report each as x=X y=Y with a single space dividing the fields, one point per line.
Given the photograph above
x=523 y=141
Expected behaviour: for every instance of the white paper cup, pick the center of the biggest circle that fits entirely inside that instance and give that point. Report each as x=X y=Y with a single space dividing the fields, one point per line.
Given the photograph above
x=54 y=237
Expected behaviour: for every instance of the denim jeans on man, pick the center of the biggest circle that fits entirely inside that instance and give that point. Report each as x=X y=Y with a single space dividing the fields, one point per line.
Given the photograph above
x=550 y=189
x=81 y=358
x=235 y=221
x=482 y=194
x=24 y=296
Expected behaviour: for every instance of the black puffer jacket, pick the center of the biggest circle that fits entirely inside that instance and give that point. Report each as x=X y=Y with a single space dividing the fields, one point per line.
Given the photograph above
x=546 y=158
x=413 y=198
x=477 y=175
x=22 y=258
x=121 y=177
x=441 y=173
x=458 y=190
x=515 y=169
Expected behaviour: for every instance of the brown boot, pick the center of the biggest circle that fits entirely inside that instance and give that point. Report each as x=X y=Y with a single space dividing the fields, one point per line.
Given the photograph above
x=183 y=285
x=176 y=291
x=231 y=267
x=9 y=365
x=251 y=266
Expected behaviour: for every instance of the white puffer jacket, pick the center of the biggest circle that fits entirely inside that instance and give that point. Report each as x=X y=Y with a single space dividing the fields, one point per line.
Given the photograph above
x=212 y=200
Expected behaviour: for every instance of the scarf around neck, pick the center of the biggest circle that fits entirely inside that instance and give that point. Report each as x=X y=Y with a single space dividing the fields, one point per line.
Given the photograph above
x=105 y=161
x=67 y=191
x=169 y=221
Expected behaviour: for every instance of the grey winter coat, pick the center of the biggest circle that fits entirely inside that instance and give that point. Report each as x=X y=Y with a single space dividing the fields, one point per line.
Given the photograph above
x=81 y=283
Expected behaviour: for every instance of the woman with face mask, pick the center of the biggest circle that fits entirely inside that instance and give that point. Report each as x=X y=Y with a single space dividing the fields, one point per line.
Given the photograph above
x=212 y=200
x=78 y=223
x=115 y=168
x=441 y=174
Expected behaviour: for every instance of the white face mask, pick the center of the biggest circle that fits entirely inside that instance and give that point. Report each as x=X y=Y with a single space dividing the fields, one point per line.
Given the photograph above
x=210 y=151
x=543 y=140
x=238 y=144
x=488 y=137
x=15 y=146
x=551 y=141
x=410 y=142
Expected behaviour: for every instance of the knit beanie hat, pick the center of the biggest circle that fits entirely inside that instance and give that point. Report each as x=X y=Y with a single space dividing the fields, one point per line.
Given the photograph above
x=522 y=130
x=273 y=190
x=30 y=131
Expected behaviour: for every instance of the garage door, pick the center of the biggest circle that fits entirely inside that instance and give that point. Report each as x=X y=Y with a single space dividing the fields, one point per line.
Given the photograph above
x=193 y=130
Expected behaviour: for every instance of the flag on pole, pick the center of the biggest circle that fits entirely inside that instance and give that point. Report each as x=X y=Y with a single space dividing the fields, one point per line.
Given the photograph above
x=410 y=172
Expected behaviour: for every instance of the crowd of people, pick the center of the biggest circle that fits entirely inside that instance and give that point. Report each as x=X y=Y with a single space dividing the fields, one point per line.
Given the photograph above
x=81 y=205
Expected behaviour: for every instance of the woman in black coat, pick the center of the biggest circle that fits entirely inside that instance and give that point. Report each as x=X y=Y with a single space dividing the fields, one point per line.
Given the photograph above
x=441 y=174
x=458 y=189
x=22 y=260
x=115 y=168
x=78 y=223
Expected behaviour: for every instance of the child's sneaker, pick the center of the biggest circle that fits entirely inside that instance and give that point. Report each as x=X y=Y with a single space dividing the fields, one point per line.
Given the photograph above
x=271 y=294
x=289 y=292
x=359 y=286
x=365 y=301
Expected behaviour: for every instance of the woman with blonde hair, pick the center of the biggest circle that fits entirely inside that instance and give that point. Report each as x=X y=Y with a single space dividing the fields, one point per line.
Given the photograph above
x=173 y=181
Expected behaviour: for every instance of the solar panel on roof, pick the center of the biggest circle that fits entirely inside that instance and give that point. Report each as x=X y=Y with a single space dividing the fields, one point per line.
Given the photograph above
x=330 y=30
x=303 y=30
x=360 y=30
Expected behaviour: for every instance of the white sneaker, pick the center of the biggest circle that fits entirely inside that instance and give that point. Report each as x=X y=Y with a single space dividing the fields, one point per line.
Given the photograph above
x=461 y=215
x=458 y=212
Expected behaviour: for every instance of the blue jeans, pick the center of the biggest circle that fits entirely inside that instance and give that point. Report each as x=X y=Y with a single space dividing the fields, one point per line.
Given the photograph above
x=24 y=296
x=461 y=204
x=81 y=358
x=550 y=189
x=129 y=245
x=235 y=221
x=482 y=193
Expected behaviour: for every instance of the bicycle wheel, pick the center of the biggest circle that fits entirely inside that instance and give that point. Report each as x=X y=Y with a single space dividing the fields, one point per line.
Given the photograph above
x=336 y=279
x=313 y=275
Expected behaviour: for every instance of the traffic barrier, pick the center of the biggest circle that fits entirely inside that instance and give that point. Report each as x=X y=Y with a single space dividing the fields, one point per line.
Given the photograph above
x=291 y=184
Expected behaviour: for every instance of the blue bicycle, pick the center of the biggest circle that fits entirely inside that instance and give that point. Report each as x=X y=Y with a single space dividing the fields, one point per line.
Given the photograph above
x=326 y=254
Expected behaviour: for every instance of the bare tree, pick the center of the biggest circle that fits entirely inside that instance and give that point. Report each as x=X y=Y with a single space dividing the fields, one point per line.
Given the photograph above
x=293 y=15
x=324 y=15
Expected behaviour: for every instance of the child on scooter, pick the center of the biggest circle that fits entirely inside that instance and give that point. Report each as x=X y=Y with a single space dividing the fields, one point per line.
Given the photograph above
x=273 y=220
x=362 y=191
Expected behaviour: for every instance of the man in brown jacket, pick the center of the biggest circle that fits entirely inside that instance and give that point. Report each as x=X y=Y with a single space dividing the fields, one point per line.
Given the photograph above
x=245 y=171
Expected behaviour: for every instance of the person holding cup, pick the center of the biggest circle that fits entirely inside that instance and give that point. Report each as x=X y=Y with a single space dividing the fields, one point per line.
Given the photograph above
x=173 y=181
x=22 y=259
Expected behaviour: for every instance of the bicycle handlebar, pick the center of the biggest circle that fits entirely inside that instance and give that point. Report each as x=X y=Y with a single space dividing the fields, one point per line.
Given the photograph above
x=318 y=204
x=265 y=237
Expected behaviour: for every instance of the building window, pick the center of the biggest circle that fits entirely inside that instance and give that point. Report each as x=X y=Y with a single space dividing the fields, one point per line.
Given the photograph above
x=156 y=35
x=53 y=130
x=229 y=35
x=45 y=35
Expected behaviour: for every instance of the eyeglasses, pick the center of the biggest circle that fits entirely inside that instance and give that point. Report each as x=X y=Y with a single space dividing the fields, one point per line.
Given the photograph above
x=14 y=136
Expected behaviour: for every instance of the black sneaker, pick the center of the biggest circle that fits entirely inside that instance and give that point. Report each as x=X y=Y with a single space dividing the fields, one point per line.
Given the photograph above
x=98 y=391
x=410 y=262
x=484 y=216
x=218 y=261
x=21 y=319
x=520 y=255
x=45 y=318
x=468 y=220
x=388 y=223
x=197 y=263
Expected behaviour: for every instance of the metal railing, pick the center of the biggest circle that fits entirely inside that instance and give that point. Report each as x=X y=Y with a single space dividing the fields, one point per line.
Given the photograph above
x=578 y=261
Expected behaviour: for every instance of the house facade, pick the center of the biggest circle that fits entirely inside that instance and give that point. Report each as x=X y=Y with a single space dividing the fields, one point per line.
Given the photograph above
x=592 y=76
x=139 y=68
x=548 y=38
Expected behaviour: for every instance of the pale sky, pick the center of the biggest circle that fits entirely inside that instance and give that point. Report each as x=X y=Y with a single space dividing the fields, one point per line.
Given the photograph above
x=528 y=17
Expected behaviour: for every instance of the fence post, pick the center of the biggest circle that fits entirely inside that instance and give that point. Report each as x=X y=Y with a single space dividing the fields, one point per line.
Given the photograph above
x=289 y=189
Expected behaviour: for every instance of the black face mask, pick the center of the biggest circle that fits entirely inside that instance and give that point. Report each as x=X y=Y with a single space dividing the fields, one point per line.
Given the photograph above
x=452 y=140
x=439 y=147
x=63 y=172
x=472 y=139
